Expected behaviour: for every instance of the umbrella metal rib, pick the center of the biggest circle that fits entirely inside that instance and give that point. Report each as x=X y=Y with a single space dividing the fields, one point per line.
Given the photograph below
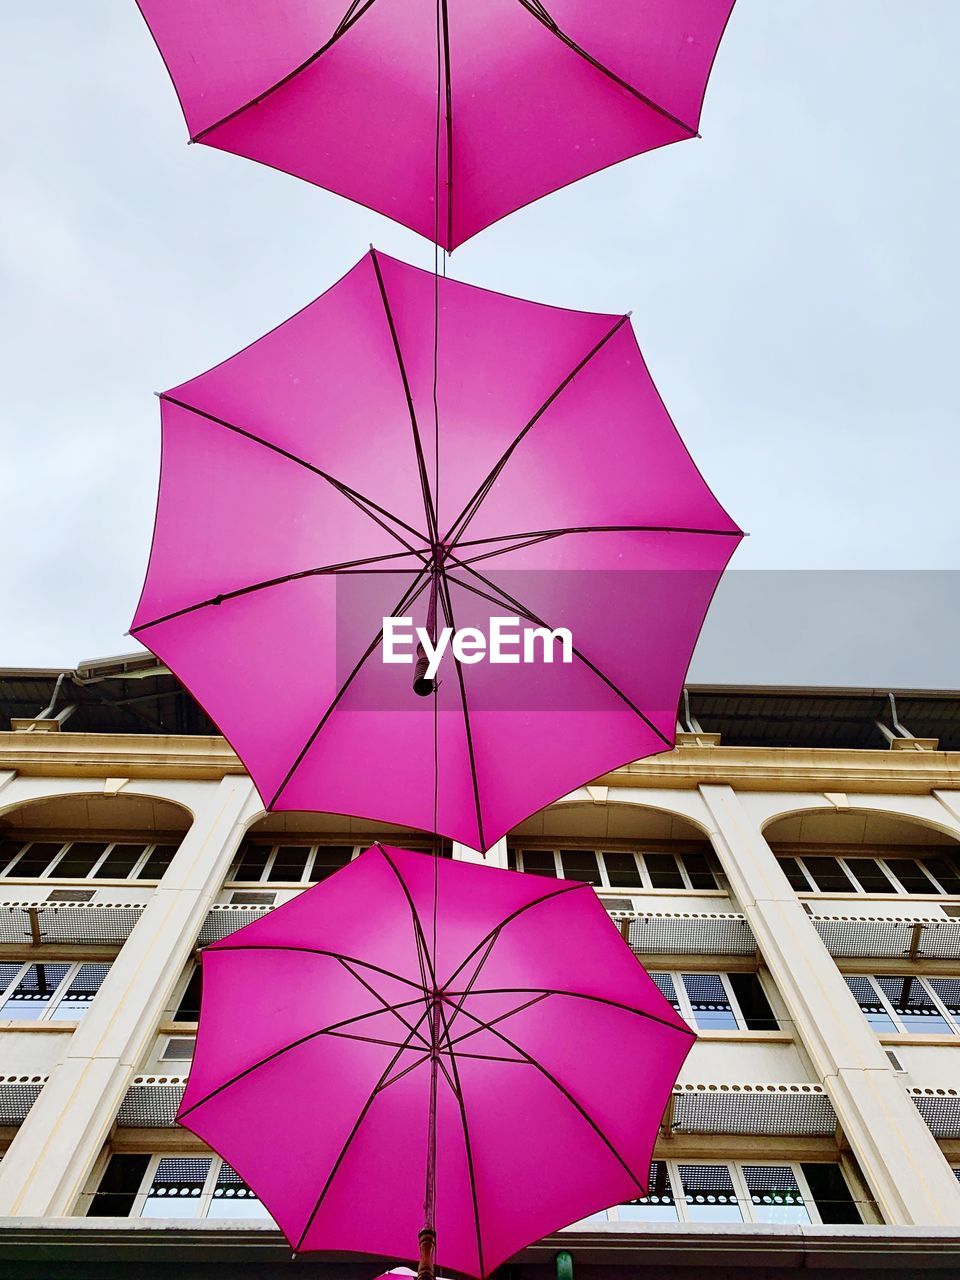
x=355 y=11
x=539 y=11
x=365 y=504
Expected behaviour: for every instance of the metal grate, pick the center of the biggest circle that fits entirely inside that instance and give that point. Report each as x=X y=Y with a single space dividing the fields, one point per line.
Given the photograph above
x=226 y=919
x=773 y=1109
x=940 y=1109
x=688 y=933
x=151 y=1102
x=890 y=936
x=107 y=924
x=17 y=1096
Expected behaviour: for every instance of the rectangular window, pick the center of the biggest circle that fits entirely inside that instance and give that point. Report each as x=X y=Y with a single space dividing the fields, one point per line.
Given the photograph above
x=944 y=873
x=232 y=1198
x=188 y=1010
x=792 y=869
x=668 y=989
x=754 y=1005
x=52 y=992
x=663 y=870
x=289 y=863
x=176 y=1188
x=539 y=862
x=710 y=1002
x=830 y=1193
x=330 y=858
x=947 y=990
x=117 y=1192
x=622 y=870
x=911 y=875
x=157 y=862
x=699 y=872
x=9 y=849
x=775 y=1193
x=79 y=992
x=580 y=864
x=32 y=995
x=871 y=1006
x=871 y=875
x=119 y=862
x=913 y=1004
x=78 y=861
x=35 y=859
x=709 y=1193
x=658 y=1205
x=251 y=863
x=829 y=876
x=178 y=1049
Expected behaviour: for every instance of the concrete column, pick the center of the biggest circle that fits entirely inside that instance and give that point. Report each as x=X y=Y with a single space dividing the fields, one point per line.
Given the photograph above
x=907 y=1174
x=496 y=855
x=50 y=1159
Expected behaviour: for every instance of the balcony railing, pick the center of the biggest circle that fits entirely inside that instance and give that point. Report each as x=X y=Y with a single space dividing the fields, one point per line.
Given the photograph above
x=84 y=923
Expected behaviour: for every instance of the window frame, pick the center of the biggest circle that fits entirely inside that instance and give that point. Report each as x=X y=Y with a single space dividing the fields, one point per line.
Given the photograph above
x=312 y=847
x=203 y=1201
x=737 y=1176
x=639 y=856
x=60 y=991
x=9 y=873
x=952 y=1022
x=897 y=888
x=686 y=1008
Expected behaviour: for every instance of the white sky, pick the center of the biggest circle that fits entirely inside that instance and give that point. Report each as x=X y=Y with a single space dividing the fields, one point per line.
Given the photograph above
x=793 y=279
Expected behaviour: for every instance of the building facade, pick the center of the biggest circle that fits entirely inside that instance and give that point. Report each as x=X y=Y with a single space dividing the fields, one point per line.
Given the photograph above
x=790 y=875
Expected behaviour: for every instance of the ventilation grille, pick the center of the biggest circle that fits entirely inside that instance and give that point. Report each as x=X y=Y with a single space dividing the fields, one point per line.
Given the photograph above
x=687 y=933
x=104 y=924
x=773 y=1109
x=922 y=937
x=226 y=919
x=17 y=1096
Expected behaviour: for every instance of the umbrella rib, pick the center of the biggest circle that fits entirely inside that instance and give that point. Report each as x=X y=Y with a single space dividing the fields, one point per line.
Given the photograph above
x=527 y=906
x=533 y=536
x=419 y=935
x=388 y=1007
x=538 y=10
x=350 y=1137
x=408 y=597
x=502 y=1017
x=447 y=605
x=272 y=582
x=317 y=951
x=333 y=1029
x=354 y=13
x=428 y=507
x=358 y=499
x=577 y=1106
x=543 y=992
x=470 y=510
x=505 y=597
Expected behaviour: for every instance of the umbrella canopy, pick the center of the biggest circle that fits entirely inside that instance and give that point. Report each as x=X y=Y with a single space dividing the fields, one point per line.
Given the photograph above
x=443 y=114
x=408 y=1007
x=346 y=468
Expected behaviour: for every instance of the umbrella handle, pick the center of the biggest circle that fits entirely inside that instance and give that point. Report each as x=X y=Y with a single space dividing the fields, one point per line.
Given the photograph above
x=426 y=1269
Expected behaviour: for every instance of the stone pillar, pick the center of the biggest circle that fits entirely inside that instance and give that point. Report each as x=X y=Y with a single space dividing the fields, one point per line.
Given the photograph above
x=48 y=1162
x=496 y=855
x=907 y=1174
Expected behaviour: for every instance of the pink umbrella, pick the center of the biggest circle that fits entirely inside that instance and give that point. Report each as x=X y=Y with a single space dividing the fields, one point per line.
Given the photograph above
x=343 y=470
x=402 y=1048
x=443 y=114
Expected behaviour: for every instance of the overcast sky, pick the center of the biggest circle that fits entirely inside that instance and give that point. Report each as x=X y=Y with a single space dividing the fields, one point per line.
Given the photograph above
x=793 y=279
